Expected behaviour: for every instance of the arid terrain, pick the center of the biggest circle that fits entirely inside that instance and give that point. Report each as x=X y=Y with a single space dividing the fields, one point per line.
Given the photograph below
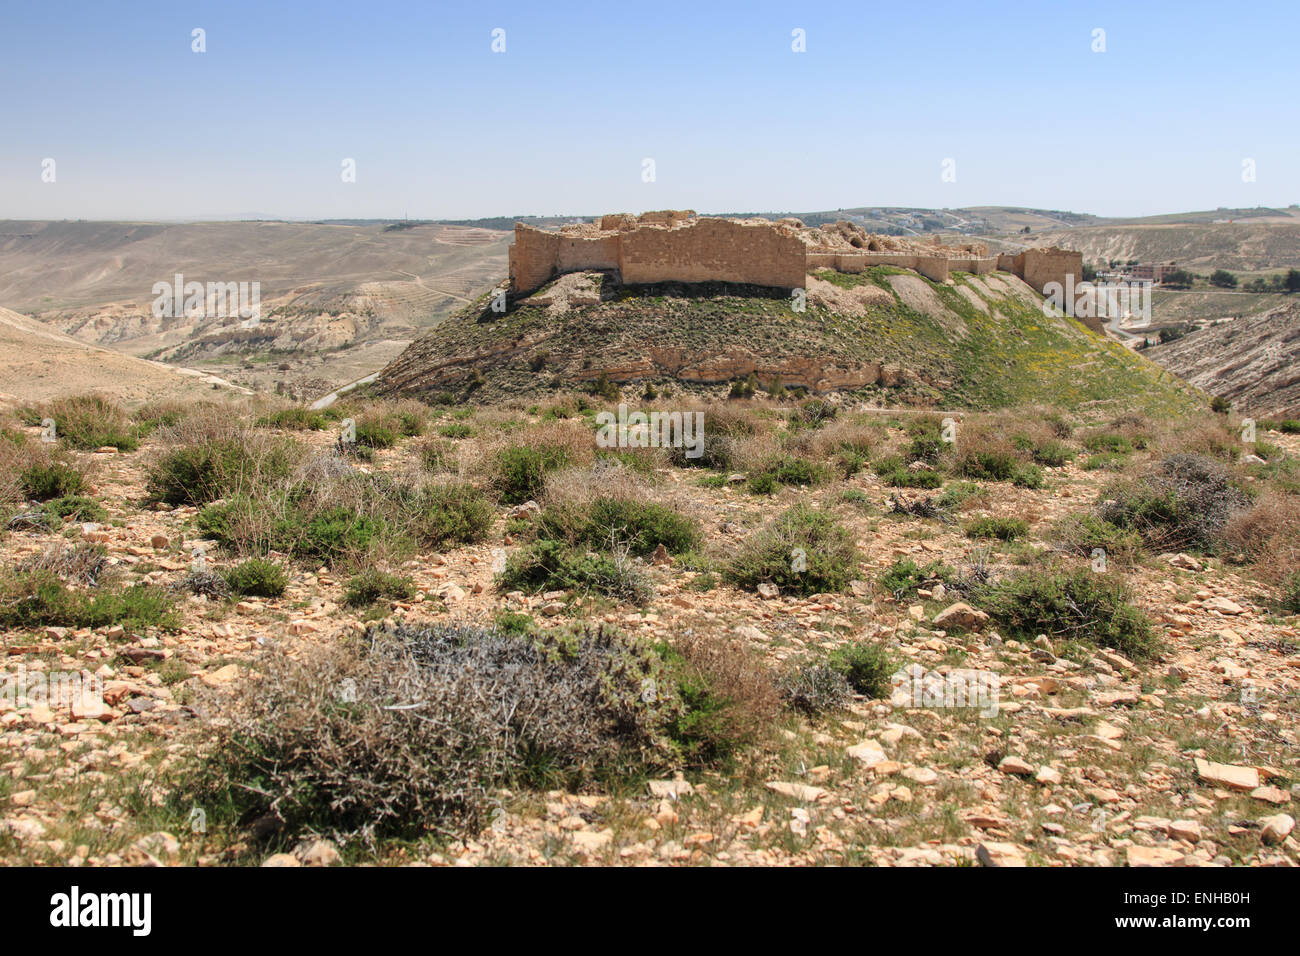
x=337 y=301
x=701 y=660
x=918 y=573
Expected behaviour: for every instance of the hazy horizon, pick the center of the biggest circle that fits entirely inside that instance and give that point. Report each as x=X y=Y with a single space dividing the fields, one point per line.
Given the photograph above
x=1008 y=105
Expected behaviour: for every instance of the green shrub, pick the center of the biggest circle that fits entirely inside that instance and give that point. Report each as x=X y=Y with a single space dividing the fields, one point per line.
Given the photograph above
x=867 y=667
x=1290 y=593
x=372 y=586
x=1086 y=533
x=49 y=479
x=294 y=418
x=455 y=430
x=640 y=525
x=257 y=577
x=803 y=551
x=1107 y=442
x=92 y=421
x=450 y=513
x=905 y=577
x=37 y=598
x=548 y=565
x=959 y=493
x=1004 y=529
x=197 y=473
x=520 y=470
x=512 y=622
x=1078 y=605
x=330 y=535
x=787 y=471
x=76 y=507
x=894 y=473
x=377 y=432
x=1053 y=454
x=1027 y=476
x=1289 y=427
x=990 y=465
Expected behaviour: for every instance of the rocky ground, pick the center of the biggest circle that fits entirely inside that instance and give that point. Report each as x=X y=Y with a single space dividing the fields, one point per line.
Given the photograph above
x=1185 y=760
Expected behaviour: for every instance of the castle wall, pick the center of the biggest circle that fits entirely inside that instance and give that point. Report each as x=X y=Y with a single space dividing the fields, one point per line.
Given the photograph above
x=714 y=250
x=1042 y=266
x=673 y=246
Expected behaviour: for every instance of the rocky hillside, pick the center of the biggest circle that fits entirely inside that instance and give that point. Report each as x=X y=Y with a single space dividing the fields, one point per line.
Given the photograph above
x=1254 y=361
x=887 y=336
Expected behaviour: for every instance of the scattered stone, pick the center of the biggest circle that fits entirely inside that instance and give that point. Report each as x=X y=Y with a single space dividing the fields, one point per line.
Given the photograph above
x=960 y=617
x=1155 y=856
x=1276 y=828
x=797 y=791
x=1227 y=775
x=1189 y=830
x=1015 y=765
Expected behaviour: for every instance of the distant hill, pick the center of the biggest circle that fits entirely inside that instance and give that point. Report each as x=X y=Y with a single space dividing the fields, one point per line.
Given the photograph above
x=337 y=300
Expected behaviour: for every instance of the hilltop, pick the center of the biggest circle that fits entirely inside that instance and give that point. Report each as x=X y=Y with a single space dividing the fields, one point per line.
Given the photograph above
x=886 y=336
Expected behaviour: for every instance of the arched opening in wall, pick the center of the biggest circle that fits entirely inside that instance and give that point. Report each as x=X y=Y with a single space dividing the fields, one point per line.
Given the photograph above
x=856 y=242
x=873 y=246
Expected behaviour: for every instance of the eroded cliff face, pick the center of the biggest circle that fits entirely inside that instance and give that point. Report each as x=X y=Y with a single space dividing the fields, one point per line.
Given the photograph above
x=1254 y=362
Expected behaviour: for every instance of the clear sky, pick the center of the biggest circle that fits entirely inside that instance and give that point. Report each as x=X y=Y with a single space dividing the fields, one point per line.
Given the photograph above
x=439 y=126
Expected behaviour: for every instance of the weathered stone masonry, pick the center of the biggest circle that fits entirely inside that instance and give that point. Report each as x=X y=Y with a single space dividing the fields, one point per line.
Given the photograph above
x=675 y=246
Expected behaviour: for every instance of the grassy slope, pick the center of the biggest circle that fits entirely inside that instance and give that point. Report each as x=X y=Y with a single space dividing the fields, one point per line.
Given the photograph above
x=960 y=357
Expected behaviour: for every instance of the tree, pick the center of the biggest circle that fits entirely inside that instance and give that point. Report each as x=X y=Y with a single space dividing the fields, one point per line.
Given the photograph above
x=1223 y=279
x=1293 y=280
x=1178 y=278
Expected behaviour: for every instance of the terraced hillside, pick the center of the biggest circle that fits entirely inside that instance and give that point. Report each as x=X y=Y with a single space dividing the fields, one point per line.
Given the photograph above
x=886 y=336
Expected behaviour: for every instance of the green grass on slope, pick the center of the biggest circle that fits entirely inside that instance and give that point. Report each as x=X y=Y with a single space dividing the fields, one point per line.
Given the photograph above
x=1013 y=355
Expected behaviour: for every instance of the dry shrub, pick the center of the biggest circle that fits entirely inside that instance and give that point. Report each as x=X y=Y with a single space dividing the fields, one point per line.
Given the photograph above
x=1182 y=502
x=415 y=727
x=745 y=700
x=84 y=565
x=1201 y=434
x=838 y=437
x=1269 y=534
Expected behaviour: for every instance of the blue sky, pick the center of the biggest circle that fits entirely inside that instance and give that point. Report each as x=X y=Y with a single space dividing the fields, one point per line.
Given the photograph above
x=439 y=126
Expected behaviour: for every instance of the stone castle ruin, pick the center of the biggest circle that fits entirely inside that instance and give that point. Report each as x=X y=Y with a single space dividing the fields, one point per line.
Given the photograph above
x=678 y=246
